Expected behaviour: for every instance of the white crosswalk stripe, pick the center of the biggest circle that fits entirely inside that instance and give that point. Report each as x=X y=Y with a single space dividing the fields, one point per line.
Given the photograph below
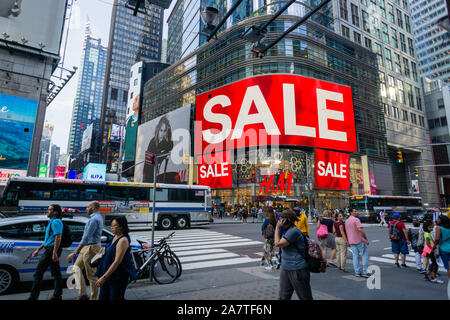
x=198 y=249
x=390 y=259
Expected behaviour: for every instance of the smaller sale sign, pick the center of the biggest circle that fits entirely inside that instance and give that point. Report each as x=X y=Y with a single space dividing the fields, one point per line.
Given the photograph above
x=332 y=170
x=214 y=170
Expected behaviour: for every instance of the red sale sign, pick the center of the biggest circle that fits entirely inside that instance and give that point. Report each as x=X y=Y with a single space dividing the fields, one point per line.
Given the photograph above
x=332 y=170
x=214 y=170
x=275 y=110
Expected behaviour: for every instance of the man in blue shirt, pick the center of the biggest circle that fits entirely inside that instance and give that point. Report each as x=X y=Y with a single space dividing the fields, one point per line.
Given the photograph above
x=53 y=250
x=89 y=246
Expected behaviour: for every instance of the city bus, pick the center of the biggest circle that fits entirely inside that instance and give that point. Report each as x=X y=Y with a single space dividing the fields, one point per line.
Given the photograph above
x=369 y=206
x=179 y=206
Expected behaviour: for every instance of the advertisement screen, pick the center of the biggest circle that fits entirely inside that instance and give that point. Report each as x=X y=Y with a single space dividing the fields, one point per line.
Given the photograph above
x=94 y=172
x=87 y=137
x=5 y=174
x=17 y=117
x=168 y=138
x=332 y=170
x=115 y=133
x=60 y=172
x=275 y=110
x=43 y=171
x=33 y=23
x=214 y=170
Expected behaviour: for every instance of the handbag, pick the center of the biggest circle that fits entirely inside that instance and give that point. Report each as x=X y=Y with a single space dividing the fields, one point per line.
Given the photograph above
x=322 y=232
x=95 y=261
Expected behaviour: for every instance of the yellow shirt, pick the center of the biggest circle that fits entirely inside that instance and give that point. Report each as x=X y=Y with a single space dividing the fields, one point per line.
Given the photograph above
x=303 y=224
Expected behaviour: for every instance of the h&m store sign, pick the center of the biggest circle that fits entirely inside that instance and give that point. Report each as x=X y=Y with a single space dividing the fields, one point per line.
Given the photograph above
x=286 y=110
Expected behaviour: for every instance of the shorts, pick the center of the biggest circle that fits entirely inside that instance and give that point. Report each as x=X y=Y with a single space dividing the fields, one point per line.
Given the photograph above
x=445 y=256
x=400 y=247
x=328 y=242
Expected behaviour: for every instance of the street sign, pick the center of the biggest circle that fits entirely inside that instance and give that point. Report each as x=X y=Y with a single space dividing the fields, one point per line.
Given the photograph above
x=149 y=158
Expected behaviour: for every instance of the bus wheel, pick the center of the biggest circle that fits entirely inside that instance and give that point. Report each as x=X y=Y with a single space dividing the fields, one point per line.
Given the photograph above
x=182 y=222
x=166 y=223
x=9 y=278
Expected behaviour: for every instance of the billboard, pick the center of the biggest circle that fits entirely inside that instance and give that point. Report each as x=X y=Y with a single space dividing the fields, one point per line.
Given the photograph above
x=133 y=105
x=332 y=170
x=166 y=135
x=215 y=170
x=87 y=137
x=36 y=24
x=115 y=133
x=43 y=171
x=60 y=172
x=276 y=109
x=17 y=117
x=5 y=174
x=94 y=172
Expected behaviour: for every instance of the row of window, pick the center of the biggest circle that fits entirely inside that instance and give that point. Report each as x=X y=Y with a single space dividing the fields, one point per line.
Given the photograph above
x=404 y=115
x=437 y=122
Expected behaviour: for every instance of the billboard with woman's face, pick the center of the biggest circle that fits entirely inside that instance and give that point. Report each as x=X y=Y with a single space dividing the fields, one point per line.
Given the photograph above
x=17 y=117
x=168 y=138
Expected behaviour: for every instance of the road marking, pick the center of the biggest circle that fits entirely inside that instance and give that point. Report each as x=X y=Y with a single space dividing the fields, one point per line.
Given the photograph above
x=218 y=263
x=375 y=240
x=197 y=252
x=222 y=245
x=208 y=257
x=392 y=261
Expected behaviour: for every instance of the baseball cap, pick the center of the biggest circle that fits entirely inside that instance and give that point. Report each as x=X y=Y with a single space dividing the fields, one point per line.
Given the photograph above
x=396 y=215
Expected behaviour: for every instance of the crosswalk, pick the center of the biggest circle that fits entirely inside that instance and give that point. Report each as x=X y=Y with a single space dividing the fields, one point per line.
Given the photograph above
x=390 y=259
x=199 y=249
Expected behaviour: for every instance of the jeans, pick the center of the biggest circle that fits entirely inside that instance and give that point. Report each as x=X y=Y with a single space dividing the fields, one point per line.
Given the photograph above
x=297 y=280
x=113 y=290
x=44 y=263
x=360 y=250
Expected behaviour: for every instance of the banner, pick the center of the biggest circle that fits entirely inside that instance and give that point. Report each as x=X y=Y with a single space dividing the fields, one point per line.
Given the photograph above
x=43 y=171
x=214 y=170
x=60 y=172
x=275 y=110
x=5 y=174
x=332 y=170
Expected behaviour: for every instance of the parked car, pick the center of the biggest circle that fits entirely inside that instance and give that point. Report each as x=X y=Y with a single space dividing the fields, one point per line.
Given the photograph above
x=20 y=236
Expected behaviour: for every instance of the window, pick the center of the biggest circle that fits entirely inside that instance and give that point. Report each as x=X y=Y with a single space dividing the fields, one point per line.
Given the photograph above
x=76 y=229
x=65 y=192
x=407 y=24
x=391 y=13
x=397 y=63
x=387 y=55
x=114 y=93
x=364 y=2
x=431 y=124
x=422 y=121
x=411 y=47
x=357 y=37
x=25 y=231
x=138 y=194
x=399 y=19
x=414 y=71
x=441 y=104
x=36 y=191
x=401 y=92
x=413 y=118
x=378 y=51
x=394 y=38
x=384 y=27
x=444 y=121
x=343 y=9
x=437 y=122
x=161 y=195
x=368 y=44
x=406 y=67
x=365 y=20
x=346 y=32
x=403 y=42
x=405 y=4
x=355 y=15
x=405 y=115
x=91 y=192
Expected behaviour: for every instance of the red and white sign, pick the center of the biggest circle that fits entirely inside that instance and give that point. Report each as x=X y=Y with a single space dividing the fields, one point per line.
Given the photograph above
x=275 y=109
x=332 y=170
x=214 y=170
x=60 y=172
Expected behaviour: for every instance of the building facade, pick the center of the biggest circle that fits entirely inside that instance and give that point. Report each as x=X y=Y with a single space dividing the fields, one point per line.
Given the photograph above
x=386 y=28
x=88 y=100
x=132 y=39
x=313 y=51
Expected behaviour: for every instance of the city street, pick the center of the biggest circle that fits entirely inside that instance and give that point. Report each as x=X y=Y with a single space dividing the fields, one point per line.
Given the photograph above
x=221 y=261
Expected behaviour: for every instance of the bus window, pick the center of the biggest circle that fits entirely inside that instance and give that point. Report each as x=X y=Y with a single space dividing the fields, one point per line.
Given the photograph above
x=36 y=191
x=197 y=195
x=116 y=194
x=161 y=194
x=139 y=194
x=11 y=199
x=177 y=194
x=65 y=192
x=90 y=193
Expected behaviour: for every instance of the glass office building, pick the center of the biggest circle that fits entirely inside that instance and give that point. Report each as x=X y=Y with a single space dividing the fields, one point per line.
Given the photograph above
x=312 y=50
x=132 y=39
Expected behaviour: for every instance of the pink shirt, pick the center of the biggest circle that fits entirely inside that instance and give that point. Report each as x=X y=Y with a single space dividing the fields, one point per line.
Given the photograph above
x=351 y=229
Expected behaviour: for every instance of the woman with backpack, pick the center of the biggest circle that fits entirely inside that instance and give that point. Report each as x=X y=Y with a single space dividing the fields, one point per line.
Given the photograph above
x=295 y=274
x=326 y=237
x=443 y=239
x=268 y=232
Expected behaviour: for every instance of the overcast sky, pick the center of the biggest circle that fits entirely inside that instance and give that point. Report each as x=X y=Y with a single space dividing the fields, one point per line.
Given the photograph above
x=59 y=112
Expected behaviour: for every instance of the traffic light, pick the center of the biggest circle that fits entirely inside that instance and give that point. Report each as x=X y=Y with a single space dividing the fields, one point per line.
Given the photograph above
x=399 y=157
x=416 y=172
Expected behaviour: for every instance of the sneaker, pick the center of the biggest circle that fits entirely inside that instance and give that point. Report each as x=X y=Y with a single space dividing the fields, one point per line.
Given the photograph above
x=366 y=275
x=423 y=271
x=357 y=275
x=437 y=281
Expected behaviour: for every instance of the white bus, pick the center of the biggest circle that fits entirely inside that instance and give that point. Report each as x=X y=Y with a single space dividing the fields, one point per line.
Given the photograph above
x=177 y=206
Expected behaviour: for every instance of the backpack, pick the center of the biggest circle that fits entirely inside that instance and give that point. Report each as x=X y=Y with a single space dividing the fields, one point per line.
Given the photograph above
x=66 y=238
x=269 y=231
x=394 y=233
x=420 y=240
x=313 y=255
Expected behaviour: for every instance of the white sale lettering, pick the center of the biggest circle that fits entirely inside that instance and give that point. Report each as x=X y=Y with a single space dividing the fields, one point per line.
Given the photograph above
x=334 y=170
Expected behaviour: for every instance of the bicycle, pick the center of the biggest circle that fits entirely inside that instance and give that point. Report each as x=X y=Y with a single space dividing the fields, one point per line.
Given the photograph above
x=159 y=263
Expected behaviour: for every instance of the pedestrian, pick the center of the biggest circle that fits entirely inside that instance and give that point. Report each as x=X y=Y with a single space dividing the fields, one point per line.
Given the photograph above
x=89 y=246
x=327 y=242
x=253 y=214
x=399 y=239
x=443 y=239
x=116 y=267
x=341 y=242
x=268 y=232
x=382 y=215
x=302 y=222
x=294 y=274
x=50 y=258
x=413 y=234
x=244 y=215
x=429 y=252
x=358 y=242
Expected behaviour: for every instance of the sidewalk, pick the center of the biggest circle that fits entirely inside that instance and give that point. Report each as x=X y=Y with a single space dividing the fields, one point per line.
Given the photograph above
x=230 y=220
x=246 y=283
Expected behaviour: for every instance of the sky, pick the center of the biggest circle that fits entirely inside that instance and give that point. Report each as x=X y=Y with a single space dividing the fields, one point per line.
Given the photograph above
x=59 y=112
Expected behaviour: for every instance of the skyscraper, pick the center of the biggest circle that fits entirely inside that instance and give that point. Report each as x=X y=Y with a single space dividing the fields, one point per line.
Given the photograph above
x=385 y=27
x=88 y=100
x=132 y=38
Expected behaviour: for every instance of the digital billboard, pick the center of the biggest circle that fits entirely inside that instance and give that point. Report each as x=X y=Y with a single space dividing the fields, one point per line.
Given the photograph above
x=33 y=23
x=87 y=138
x=5 y=174
x=168 y=138
x=17 y=117
x=94 y=172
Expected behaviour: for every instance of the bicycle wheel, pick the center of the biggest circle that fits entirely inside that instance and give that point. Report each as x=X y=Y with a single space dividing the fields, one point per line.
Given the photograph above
x=171 y=254
x=165 y=269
